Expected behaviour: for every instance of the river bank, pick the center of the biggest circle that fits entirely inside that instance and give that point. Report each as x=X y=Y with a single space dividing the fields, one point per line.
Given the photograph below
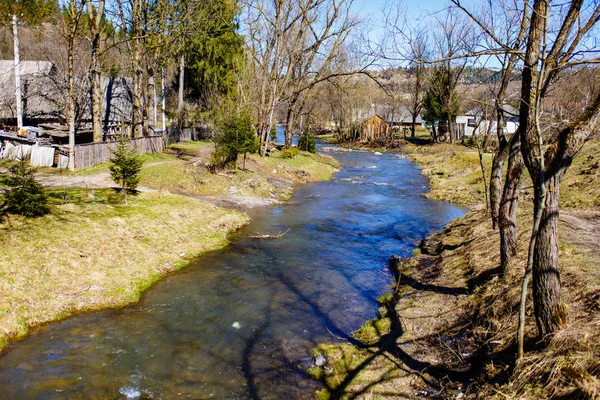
x=448 y=328
x=94 y=252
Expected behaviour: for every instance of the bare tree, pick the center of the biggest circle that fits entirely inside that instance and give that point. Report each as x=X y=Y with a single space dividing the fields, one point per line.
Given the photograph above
x=293 y=46
x=73 y=13
x=548 y=149
x=322 y=31
x=408 y=43
x=96 y=14
x=453 y=39
x=503 y=26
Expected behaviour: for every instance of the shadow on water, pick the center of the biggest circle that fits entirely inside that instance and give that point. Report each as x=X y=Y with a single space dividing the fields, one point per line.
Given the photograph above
x=241 y=322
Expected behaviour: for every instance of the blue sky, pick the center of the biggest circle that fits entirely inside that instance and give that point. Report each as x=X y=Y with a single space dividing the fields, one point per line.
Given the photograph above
x=418 y=8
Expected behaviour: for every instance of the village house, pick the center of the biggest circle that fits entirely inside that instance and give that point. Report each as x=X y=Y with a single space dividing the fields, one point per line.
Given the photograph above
x=44 y=136
x=384 y=121
x=478 y=120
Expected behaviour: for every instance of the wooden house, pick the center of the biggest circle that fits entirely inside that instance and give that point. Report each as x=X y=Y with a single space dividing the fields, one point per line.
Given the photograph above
x=374 y=128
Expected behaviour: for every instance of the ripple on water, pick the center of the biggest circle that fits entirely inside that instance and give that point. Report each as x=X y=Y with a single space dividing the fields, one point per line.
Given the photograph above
x=242 y=322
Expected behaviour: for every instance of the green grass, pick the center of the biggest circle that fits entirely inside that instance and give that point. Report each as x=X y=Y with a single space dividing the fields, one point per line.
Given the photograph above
x=193 y=178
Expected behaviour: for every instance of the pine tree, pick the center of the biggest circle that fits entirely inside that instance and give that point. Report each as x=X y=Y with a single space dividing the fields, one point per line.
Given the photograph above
x=237 y=137
x=24 y=196
x=125 y=166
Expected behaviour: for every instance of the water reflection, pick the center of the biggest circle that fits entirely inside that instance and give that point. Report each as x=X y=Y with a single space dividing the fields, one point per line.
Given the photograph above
x=240 y=323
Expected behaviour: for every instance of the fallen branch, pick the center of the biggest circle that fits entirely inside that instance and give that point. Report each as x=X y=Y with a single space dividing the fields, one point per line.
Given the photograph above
x=280 y=234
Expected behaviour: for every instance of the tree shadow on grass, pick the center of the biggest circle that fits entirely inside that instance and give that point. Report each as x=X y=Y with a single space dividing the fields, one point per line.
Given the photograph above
x=449 y=375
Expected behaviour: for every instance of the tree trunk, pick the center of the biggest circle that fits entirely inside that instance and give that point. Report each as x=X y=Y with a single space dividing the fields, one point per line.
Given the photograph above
x=496 y=177
x=96 y=97
x=17 y=66
x=163 y=101
x=95 y=75
x=150 y=100
x=550 y=312
x=412 y=127
x=289 y=124
x=138 y=72
x=507 y=213
x=181 y=89
x=71 y=100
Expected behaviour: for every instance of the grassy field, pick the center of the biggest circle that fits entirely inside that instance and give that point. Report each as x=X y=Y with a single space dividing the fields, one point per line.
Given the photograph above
x=95 y=252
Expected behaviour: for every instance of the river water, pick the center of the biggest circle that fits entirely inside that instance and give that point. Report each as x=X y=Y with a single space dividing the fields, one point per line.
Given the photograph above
x=240 y=323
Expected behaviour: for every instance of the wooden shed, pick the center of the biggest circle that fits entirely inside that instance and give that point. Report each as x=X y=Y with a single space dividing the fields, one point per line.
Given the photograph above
x=374 y=128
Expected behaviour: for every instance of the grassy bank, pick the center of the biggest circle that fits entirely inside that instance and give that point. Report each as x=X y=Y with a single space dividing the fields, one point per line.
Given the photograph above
x=93 y=251
x=448 y=330
x=455 y=175
x=269 y=177
x=96 y=252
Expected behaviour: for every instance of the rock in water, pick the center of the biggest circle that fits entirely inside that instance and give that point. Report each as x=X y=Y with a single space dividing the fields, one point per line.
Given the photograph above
x=320 y=360
x=236 y=325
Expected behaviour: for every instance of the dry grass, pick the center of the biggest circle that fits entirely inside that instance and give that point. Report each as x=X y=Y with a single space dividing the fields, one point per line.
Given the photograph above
x=453 y=171
x=96 y=252
x=455 y=175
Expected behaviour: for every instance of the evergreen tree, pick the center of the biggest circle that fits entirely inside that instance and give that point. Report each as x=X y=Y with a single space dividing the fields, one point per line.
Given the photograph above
x=24 y=196
x=215 y=54
x=307 y=142
x=237 y=137
x=125 y=166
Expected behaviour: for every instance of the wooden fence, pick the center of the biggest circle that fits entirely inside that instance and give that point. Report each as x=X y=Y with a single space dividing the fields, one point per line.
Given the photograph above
x=89 y=154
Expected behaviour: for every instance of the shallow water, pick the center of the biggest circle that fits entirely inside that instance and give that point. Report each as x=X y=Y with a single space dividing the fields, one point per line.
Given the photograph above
x=241 y=322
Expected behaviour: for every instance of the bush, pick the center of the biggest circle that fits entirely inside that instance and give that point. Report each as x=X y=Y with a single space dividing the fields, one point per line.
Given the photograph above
x=307 y=142
x=125 y=165
x=291 y=152
x=24 y=196
x=237 y=137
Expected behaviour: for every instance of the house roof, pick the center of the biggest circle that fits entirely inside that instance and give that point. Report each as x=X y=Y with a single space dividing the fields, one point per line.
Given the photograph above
x=34 y=77
x=394 y=115
x=41 y=92
x=479 y=111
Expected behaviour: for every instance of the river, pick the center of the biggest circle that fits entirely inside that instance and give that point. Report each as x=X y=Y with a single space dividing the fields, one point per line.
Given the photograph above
x=240 y=323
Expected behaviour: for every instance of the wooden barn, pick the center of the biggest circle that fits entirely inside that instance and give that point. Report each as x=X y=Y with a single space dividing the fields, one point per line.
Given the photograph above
x=374 y=128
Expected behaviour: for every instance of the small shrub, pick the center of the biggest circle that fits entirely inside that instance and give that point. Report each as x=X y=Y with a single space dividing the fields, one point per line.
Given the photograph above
x=237 y=136
x=291 y=152
x=471 y=141
x=24 y=195
x=125 y=166
x=307 y=142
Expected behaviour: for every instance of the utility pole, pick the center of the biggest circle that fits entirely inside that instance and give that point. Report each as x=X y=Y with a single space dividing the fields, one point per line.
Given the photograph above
x=18 y=94
x=163 y=102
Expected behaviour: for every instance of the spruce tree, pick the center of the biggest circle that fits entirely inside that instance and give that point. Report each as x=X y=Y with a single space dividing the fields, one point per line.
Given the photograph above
x=125 y=166
x=24 y=196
